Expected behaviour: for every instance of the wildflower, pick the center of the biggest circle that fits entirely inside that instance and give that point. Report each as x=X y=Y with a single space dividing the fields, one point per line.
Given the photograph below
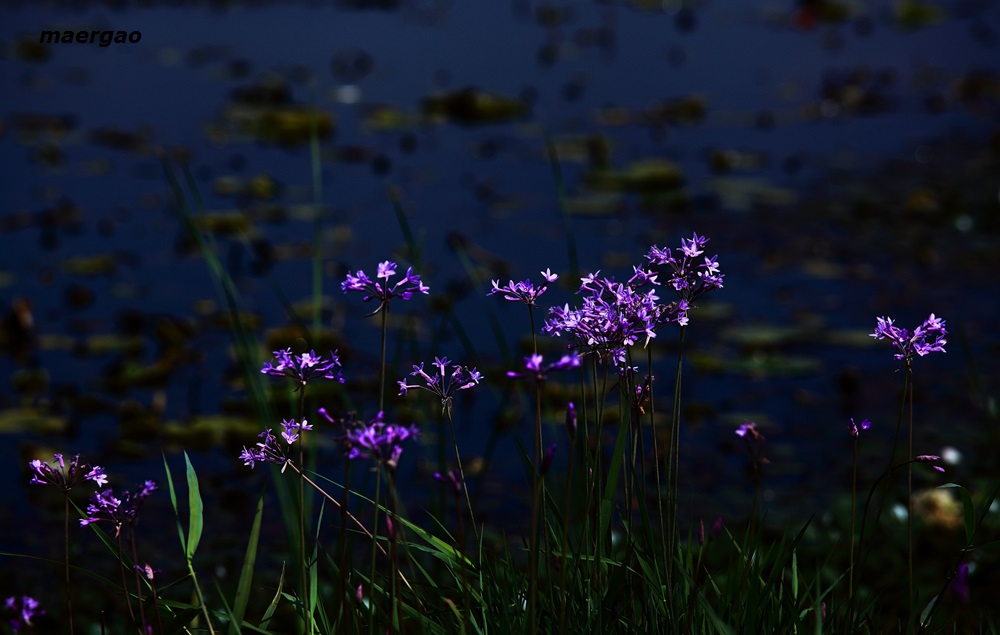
x=687 y=281
x=120 y=510
x=865 y=424
x=26 y=608
x=524 y=292
x=303 y=368
x=63 y=477
x=533 y=365
x=930 y=458
x=379 y=441
x=148 y=571
x=917 y=343
x=571 y=422
x=442 y=384
x=381 y=290
x=450 y=478
x=268 y=450
x=292 y=429
x=612 y=316
x=749 y=431
x=716 y=528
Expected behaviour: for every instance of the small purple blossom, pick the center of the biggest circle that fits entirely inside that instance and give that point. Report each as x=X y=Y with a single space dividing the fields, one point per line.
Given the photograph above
x=293 y=429
x=748 y=430
x=689 y=280
x=305 y=367
x=26 y=609
x=379 y=441
x=931 y=459
x=865 y=424
x=534 y=366
x=403 y=289
x=916 y=344
x=443 y=384
x=118 y=510
x=452 y=479
x=571 y=421
x=65 y=477
x=524 y=292
x=267 y=450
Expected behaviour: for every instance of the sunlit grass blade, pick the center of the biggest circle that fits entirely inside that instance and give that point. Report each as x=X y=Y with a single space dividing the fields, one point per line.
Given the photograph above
x=246 y=573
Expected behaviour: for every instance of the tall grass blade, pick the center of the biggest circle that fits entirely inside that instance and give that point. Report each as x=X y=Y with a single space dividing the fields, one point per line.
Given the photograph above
x=246 y=573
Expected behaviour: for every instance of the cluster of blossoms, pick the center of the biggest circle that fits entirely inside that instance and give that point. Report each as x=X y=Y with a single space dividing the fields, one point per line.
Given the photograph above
x=25 y=608
x=381 y=290
x=269 y=449
x=442 y=384
x=118 y=510
x=303 y=368
x=535 y=368
x=524 y=292
x=379 y=441
x=690 y=281
x=65 y=477
x=612 y=317
x=917 y=343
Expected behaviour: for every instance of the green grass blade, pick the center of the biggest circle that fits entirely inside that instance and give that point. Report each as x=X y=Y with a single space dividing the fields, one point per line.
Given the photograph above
x=246 y=574
x=195 y=509
x=173 y=502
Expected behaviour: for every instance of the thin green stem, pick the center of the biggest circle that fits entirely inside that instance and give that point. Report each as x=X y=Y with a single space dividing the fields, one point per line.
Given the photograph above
x=306 y=608
x=69 y=592
x=674 y=458
x=371 y=579
x=854 y=497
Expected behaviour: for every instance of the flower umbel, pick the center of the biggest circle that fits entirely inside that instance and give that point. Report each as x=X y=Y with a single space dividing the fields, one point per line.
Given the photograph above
x=443 y=384
x=403 y=289
x=268 y=449
x=121 y=510
x=865 y=424
x=916 y=344
x=689 y=280
x=535 y=368
x=379 y=441
x=524 y=292
x=305 y=367
x=65 y=477
x=25 y=607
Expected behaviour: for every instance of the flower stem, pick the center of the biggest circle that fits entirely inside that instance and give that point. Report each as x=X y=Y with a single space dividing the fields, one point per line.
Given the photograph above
x=69 y=592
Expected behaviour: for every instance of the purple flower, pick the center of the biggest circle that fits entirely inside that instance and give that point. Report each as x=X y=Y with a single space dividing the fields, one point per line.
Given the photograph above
x=612 y=315
x=534 y=366
x=268 y=450
x=65 y=477
x=749 y=431
x=571 y=422
x=451 y=478
x=932 y=459
x=292 y=429
x=443 y=384
x=302 y=368
x=26 y=608
x=379 y=441
x=381 y=290
x=118 y=510
x=523 y=292
x=865 y=424
x=917 y=343
x=689 y=280
x=959 y=585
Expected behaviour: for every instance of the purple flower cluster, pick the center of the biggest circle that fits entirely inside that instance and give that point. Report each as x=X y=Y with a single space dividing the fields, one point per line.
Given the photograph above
x=524 y=292
x=403 y=289
x=613 y=315
x=917 y=343
x=118 y=510
x=689 y=280
x=442 y=384
x=303 y=368
x=535 y=368
x=26 y=609
x=292 y=430
x=65 y=477
x=269 y=450
x=379 y=441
